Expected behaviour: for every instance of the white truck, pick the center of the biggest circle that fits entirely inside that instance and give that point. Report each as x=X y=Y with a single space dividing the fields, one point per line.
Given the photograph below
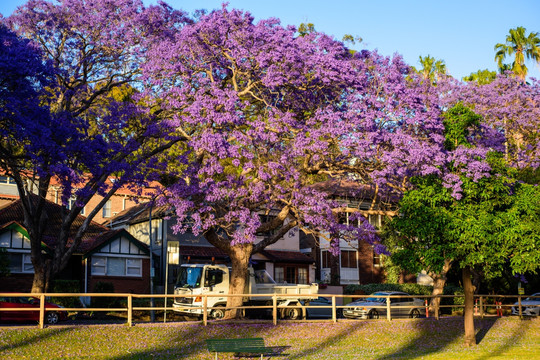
x=206 y=279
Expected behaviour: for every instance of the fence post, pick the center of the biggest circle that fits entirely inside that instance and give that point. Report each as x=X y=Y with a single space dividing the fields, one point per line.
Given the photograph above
x=130 y=310
x=437 y=305
x=482 y=307
x=274 y=309
x=519 y=307
x=165 y=309
x=205 y=310
x=388 y=315
x=427 y=308
x=42 y=311
x=334 y=312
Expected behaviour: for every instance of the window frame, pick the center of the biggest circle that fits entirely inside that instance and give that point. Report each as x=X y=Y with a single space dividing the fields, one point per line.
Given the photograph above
x=126 y=266
x=106 y=211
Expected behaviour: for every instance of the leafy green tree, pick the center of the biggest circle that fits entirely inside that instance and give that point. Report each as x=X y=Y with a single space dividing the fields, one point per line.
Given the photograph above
x=489 y=226
x=481 y=77
x=522 y=46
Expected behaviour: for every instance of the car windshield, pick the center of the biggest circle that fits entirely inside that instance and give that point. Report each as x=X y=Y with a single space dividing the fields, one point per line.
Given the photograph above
x=534 y=297
x=376 y=298
x=189 y=277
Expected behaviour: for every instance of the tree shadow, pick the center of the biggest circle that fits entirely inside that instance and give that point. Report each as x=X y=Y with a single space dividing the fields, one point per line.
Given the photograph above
x=329 y=341
x=435 y=335
x=510 y=341
x=42 y=335
x=192 y=343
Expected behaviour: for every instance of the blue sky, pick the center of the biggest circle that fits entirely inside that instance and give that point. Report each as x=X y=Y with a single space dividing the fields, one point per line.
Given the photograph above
x=462 y=33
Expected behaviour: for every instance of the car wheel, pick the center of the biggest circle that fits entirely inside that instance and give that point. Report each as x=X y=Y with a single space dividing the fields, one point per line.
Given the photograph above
x=414 y=314
x=339 y=313
x=218 y=313
x=294 y=313
x=373 y=314
x=52 y=318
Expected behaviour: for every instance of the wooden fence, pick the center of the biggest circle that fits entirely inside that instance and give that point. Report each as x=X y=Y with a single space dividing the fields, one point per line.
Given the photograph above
x=483 y=304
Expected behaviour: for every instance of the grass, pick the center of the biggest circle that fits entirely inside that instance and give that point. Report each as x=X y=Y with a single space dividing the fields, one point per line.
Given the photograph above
x=499 y=338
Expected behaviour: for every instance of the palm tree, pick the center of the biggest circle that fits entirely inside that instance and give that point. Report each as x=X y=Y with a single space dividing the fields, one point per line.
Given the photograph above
x=431 y=68
x=523 y=46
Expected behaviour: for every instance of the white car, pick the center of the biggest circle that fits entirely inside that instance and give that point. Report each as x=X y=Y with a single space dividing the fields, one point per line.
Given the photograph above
x=375 y=306
x=529 y=307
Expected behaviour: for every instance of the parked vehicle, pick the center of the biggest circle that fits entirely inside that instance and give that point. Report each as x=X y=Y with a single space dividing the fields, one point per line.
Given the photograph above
x=321 y=308
x=375 y=306
x=205 y=279
x=52 y=315
x=529 y=307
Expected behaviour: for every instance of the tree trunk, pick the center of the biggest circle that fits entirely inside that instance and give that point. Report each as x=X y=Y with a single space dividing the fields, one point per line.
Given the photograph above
x=42 y=278
x=439 y=280
x=239 y=255
x=468 y=288
x=335 y=275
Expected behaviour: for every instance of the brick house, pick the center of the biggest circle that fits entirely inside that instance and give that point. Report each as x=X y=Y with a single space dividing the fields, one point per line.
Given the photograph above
x=103 y=255
x=283 y=260
x=357 y=262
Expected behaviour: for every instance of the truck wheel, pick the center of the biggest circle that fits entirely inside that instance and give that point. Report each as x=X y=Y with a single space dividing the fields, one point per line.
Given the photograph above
x=217 y=313
x=294 y=313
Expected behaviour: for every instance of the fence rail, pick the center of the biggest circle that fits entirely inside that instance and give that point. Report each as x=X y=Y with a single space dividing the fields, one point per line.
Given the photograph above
x=482 y=304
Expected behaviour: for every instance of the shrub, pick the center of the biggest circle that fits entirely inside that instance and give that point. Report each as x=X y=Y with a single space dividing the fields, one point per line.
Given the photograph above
x=104 y=302
x=413 y=289
x=66 y=286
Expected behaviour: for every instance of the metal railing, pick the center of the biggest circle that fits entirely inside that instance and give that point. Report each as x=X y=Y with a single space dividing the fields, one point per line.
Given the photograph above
x=483 y=303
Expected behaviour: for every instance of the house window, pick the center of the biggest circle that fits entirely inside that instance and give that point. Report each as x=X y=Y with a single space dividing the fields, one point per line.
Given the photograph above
x=71 y=204
x=377 y=261
x=348 y=259
x=279 y=275
x=6 y=180
x=291 y=274
x=326 y=259
x=376 y=220
x=302 y=275
x=116 y=266
x=106 y=211
x=20 y=263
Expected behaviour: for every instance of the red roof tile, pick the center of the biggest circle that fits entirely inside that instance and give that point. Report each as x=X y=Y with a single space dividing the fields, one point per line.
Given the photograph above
x=287 y=256
x=14 y=213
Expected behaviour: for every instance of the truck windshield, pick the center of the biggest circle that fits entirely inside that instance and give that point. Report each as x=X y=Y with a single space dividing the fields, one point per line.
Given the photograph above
x=189 y=277
x=262 y=277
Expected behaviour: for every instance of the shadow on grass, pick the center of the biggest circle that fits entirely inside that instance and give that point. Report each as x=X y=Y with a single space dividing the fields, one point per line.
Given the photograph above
x=510 y=341
x=27 y=341
x=189 y=341
x=435 y=335
x=329 y=341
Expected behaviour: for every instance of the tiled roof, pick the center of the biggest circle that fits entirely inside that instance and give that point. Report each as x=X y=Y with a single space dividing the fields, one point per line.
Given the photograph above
x=287 y=256
x=273 y=255
x=139 y=213
x=202 y=251
x=89 y=246
x=14 y=213
x=352 y=190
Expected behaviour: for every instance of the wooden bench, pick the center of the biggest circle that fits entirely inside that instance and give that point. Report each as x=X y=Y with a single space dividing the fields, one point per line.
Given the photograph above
x=238 y=346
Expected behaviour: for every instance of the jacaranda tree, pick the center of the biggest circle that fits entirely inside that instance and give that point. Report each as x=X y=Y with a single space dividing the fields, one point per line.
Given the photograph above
x=268 y=113
x=90 y=126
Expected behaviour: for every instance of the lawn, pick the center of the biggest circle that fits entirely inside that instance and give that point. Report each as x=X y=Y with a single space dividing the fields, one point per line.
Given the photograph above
x=505 y=338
